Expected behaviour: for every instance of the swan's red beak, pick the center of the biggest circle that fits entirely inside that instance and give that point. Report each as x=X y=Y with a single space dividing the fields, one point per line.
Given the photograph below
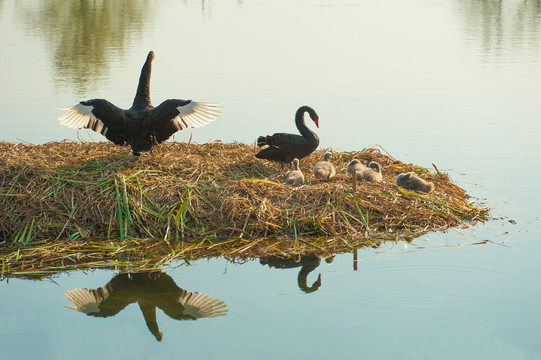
x=317 y=123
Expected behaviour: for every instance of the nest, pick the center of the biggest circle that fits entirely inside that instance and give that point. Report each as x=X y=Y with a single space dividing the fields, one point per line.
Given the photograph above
x=187 y=200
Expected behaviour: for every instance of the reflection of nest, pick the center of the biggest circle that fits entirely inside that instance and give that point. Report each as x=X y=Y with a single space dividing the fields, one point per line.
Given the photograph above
x=150 y=291
x=214 y=191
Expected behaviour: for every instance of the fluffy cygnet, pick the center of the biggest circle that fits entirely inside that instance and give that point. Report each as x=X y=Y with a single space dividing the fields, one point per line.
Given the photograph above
x=324 y=169
x=294 y=176
x=370 y=173
x=356 y=165
x=411 y=181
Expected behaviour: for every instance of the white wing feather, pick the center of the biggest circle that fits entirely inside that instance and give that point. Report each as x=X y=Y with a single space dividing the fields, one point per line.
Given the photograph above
x=196 y=114
x=81 y=117
x=86 y=300
x=200 y=305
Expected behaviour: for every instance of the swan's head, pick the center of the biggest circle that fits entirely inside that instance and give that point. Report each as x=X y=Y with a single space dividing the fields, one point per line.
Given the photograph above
x=375 y=166
x=315 y=118
x=313 y=114
x=150 y=56
x=327 y=156
x=353 y=165
x=403 y=178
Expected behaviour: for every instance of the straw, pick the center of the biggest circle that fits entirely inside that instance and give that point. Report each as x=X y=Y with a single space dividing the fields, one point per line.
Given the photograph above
x=72 y=199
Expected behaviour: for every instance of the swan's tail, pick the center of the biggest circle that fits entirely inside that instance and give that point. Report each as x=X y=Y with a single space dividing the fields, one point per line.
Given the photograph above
x=264 y=140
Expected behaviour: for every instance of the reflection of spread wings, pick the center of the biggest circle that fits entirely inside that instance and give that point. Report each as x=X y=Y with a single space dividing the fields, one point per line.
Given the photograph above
x=87 y=300
x=188 y=305
x=198 y=305
x=150 y=291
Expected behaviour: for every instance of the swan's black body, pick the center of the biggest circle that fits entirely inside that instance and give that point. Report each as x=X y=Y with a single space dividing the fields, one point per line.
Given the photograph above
x=284 y=147
x=142 y=125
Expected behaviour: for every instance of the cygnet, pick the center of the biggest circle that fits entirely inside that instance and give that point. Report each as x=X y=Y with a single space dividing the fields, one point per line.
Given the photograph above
x=324 y=169
x=411 y=181
x=370 y=173
x=294 y=176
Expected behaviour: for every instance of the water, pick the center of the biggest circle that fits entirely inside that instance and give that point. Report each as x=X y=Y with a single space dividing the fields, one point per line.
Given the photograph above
x=455 y=83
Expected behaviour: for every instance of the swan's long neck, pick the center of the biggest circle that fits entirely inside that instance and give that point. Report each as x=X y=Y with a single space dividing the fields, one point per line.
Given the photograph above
x=302 y=277
x=301 y=125
x=142 y=97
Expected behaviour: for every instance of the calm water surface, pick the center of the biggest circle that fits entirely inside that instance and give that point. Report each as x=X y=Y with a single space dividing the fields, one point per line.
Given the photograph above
x=456 y=83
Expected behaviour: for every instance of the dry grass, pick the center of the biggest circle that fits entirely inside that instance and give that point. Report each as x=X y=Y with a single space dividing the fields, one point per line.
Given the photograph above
x=95 y=204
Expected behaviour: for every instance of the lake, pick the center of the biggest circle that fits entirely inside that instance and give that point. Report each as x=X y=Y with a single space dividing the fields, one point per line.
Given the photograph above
x=455 y=83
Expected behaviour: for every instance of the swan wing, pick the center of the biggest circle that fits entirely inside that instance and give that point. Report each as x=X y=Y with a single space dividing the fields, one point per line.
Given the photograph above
x=198 y=305
x=288 y=143
x=283 y=147
x=285 y=140
x=173 y=115
x=87 y=300
x=98 y=115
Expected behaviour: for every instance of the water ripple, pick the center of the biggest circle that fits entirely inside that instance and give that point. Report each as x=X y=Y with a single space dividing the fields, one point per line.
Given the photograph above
x=421 y=285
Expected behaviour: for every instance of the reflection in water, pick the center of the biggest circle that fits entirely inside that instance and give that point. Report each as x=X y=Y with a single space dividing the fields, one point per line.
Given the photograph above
x=308 y=263
x=374 y=245
x=85 y=35
x=149 y=290
x=502 y=26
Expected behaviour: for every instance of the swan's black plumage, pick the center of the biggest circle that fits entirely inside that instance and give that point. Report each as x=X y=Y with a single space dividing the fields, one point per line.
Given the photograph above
x=284 y=147
x=142 y=125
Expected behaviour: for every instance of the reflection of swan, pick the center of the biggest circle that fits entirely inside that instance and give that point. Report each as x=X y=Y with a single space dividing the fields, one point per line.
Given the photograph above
x=308 y=263
x=143 y=125
x=149 y=290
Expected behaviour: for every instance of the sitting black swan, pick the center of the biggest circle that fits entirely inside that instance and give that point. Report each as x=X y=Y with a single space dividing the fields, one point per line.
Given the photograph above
x=143 y=125
x=284 y=147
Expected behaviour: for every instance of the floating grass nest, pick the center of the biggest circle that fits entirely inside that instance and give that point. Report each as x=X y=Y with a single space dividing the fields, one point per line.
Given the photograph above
x=68 y=204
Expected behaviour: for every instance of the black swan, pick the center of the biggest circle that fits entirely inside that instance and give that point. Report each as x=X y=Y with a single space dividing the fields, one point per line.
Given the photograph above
x=143 y=125
x=295 y=176
x=370 y=173
x=324 y=169
x=411 y=181
x=284 y=147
